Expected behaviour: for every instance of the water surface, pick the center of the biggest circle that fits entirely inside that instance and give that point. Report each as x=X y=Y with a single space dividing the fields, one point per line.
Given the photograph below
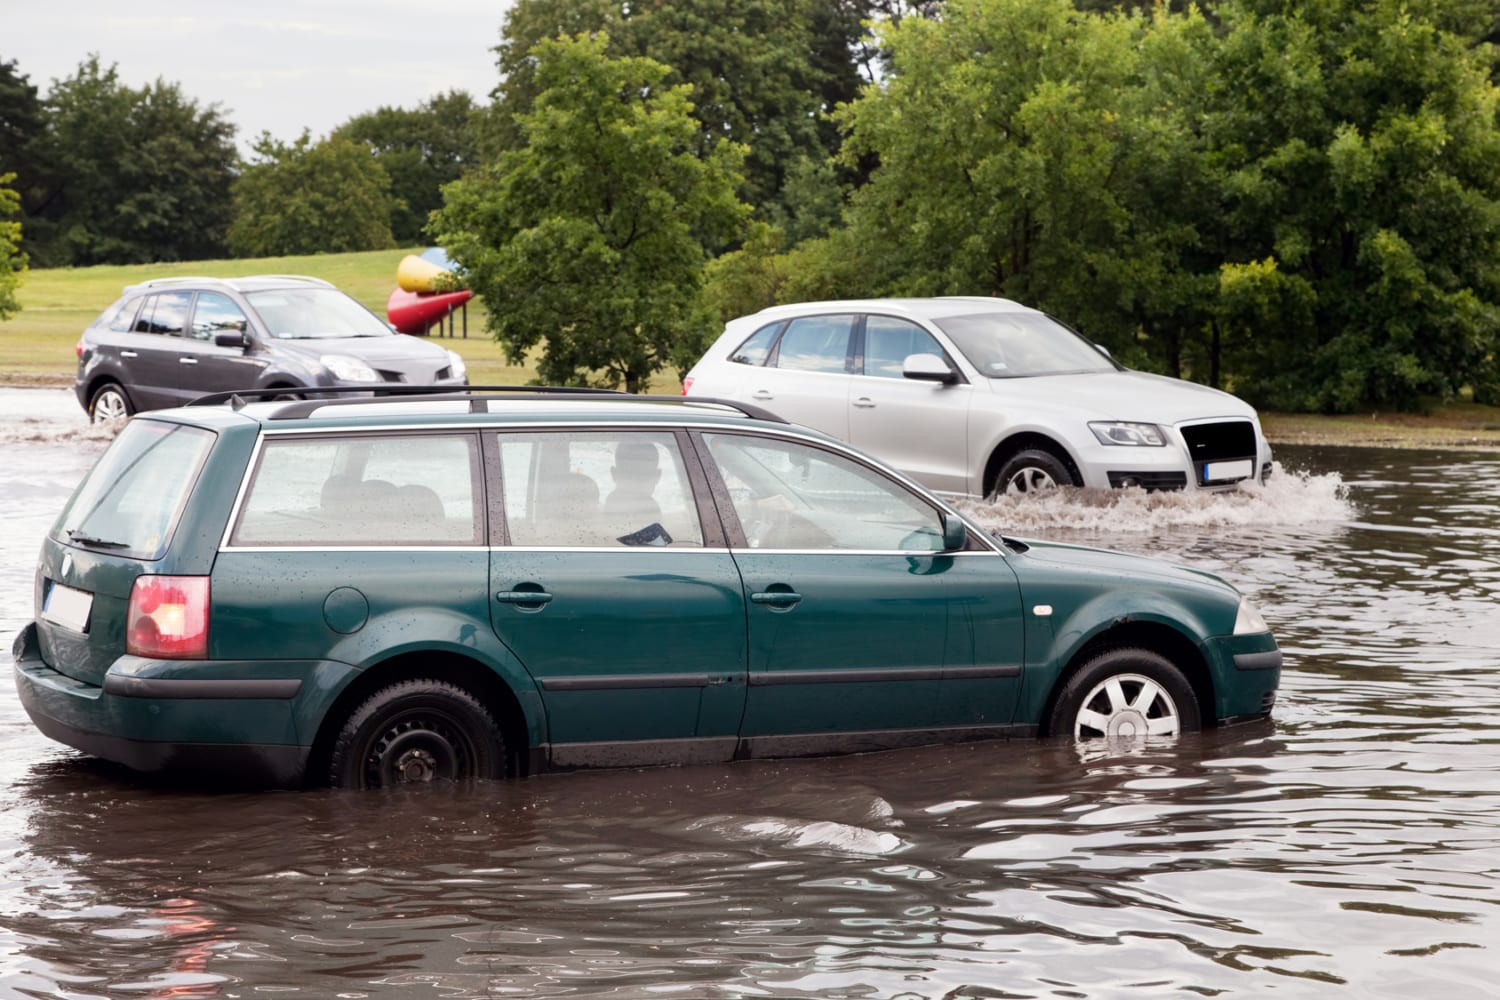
x=1348 y=847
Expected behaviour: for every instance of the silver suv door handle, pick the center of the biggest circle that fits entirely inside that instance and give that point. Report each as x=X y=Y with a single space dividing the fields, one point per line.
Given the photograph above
x=762 y=394
x=865 y=403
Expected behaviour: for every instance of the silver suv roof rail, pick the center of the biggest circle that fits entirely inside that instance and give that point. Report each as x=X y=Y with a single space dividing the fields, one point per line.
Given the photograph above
x=477 y=396
x=229 y=282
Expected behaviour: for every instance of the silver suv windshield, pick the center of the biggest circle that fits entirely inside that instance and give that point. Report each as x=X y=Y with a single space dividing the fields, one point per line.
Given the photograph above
x=315 y=314
x=130 y=502
x=1020 y=344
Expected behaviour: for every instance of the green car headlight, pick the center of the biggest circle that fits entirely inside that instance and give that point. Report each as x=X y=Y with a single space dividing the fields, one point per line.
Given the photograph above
x=1248 y=620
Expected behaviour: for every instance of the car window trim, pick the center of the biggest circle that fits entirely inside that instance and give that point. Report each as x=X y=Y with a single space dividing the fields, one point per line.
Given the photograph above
x=252 y=466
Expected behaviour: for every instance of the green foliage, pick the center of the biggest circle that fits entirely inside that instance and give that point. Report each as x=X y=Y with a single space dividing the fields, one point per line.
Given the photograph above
x=12 y=260
x=1360 y=143
x=763 y=72
x=125 y=175
x=421 y=149
x=592 y=235
x=304 y=197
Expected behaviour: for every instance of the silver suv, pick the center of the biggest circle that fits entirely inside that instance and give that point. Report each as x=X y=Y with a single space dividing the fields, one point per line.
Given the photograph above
x=169 y=341
x=980 y=396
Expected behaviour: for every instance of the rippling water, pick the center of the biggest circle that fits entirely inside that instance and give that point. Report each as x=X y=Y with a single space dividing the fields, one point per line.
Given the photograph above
x=1349 y=847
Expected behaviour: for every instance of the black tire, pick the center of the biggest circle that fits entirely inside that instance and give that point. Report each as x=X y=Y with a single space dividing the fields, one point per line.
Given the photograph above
x=417 y=731
x=1125 y=693
x=109 y=402
x=1032 y=471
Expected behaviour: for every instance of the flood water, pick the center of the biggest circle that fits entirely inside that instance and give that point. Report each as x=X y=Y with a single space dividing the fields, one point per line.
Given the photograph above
x=1349 y=847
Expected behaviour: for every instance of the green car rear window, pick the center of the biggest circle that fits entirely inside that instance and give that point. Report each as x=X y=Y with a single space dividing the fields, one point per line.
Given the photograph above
x=129 y=504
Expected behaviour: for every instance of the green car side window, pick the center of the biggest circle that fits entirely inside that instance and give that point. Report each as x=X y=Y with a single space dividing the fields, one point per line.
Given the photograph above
x=788 y=495
x=408 y=489
x=597 y=488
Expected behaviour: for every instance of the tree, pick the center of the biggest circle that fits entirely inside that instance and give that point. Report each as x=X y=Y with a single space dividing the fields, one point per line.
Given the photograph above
x=1359 y=141
x=593 y=235
x=764 y=73
x=12 y=260
x=304 y=197
x=1003 y=135
x=421 y=150
x=128 y=176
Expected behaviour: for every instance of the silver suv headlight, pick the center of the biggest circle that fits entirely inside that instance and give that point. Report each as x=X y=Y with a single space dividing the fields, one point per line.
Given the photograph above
x=1132 y=435
x=1248 y=620
x=347 y=369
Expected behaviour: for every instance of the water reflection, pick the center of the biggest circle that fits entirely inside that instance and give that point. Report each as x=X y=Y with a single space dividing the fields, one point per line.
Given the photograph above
x=1350 y=847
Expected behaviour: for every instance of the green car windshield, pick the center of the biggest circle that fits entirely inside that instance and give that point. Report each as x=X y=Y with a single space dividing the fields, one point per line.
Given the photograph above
x=1020 y=344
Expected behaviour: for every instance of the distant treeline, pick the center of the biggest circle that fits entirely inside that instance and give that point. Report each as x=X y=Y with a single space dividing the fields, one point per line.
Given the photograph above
x=1298 y=200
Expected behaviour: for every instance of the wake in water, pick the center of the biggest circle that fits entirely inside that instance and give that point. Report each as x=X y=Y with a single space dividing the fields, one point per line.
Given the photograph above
x=1286 y=498
x=40 y=430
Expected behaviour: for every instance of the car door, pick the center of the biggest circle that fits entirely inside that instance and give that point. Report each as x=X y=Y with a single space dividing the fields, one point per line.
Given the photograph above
x=863 y=633
x=806 y=377
x=149 y=359
x=618 y=594
x=206 y=366
x=918 y=426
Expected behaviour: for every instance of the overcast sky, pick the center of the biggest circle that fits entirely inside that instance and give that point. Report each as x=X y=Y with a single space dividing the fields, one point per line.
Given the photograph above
x=275 y=65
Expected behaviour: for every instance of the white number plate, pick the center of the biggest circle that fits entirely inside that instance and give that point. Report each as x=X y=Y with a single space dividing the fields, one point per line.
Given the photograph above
x=1217 y=471
x=68 y=607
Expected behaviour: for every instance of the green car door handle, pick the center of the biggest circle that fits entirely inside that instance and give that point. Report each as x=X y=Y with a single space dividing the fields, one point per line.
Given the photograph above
x=523 y=597
x=776 y=597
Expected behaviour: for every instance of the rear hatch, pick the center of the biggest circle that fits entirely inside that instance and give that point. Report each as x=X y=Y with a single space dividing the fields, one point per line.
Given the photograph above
x=118 y=525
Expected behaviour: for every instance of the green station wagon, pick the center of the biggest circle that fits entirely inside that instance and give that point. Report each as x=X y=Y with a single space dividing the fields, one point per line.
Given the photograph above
x=368 y=592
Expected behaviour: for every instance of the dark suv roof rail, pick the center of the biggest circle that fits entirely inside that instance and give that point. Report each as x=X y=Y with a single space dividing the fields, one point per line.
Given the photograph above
x=478 y=396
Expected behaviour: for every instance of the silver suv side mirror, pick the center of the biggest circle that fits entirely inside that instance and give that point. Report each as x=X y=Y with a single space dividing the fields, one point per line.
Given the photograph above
x=928 y=368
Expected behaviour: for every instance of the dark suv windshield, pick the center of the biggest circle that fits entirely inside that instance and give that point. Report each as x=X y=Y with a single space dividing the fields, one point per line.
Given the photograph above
x=1016 y=344
x=314 y=314
x=130 y=502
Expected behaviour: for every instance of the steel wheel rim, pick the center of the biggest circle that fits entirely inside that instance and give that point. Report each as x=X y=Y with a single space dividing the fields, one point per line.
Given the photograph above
x=1127 y=707
x=418 y=748
x=109 y=406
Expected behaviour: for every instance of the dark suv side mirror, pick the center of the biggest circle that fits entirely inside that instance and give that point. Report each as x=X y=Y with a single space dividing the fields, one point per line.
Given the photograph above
x=928 y=368
x=235 y=339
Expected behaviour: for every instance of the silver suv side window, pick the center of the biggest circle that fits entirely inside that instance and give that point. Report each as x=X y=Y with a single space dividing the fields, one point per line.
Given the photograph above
x=889 y=341
x=757 y=346
x=788 y=495
x=366 y=490
x=597 y=488
x=816 y=344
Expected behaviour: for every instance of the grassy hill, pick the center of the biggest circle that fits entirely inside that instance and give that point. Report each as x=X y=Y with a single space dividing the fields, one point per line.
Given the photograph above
x=36 y=345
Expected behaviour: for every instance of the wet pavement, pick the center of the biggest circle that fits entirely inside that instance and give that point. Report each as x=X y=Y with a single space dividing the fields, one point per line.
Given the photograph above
x=1348 y=847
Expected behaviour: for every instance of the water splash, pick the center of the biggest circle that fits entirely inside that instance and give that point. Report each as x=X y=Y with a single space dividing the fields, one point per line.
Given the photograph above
x=1286 y=498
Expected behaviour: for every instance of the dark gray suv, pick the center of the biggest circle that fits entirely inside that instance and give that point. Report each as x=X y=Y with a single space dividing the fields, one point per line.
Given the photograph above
x=171 y=340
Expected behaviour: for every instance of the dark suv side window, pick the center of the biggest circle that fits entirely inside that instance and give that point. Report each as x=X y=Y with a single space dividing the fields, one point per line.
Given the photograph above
x=165 y=313
x=367 y=490
x=122 y=317
x=816 y=344
x=215 y=313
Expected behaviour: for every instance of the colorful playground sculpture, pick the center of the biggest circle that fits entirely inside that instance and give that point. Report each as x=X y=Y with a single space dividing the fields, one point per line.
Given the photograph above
x=419 y=301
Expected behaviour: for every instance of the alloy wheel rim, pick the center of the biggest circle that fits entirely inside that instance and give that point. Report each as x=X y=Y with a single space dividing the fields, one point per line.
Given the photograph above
x=1127 y=707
